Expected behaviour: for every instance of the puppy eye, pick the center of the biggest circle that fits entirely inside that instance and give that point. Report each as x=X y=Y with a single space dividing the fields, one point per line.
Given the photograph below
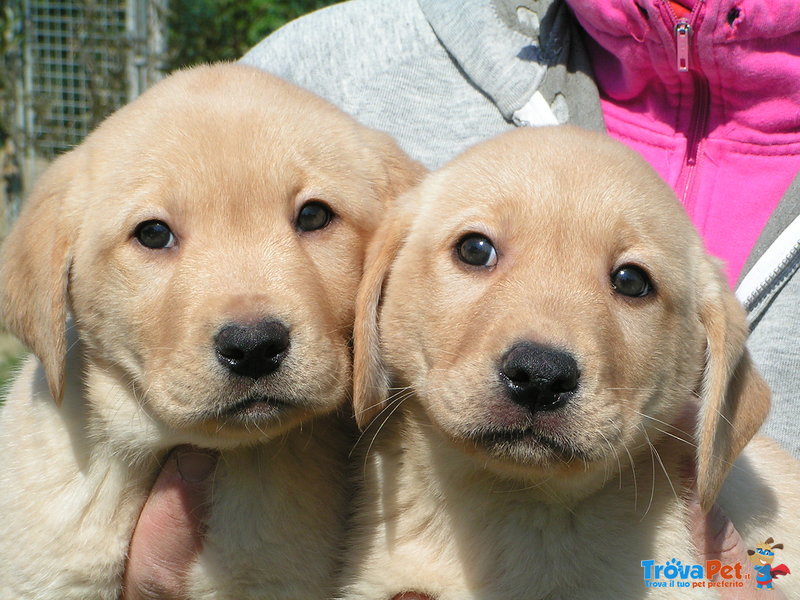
x=630 y=280
x=477 y=250
x=313 y=215
x=154 y=234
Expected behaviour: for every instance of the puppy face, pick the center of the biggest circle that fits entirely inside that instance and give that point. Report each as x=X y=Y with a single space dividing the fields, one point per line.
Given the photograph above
x=548 y=303
x=213 y=232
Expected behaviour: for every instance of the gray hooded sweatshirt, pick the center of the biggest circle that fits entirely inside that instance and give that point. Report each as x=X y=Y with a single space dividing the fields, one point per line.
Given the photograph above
x=442 y=75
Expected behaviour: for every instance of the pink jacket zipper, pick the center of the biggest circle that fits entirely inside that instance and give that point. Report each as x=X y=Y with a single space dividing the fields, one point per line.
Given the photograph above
x=683 y=30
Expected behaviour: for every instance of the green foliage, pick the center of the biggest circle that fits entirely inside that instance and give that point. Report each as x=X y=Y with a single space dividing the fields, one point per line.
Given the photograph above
x=10 y=76
x=12 y=353
x=212 y=30
x=10 y=58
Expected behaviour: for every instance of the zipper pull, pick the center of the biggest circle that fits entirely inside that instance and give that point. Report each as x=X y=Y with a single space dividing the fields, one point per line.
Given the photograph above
x=682 y=32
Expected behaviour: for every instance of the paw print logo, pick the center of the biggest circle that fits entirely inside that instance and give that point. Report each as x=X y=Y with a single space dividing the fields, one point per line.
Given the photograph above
x=672 y=568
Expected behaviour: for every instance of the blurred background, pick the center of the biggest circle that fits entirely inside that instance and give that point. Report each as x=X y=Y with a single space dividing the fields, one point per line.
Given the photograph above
x=67 y=64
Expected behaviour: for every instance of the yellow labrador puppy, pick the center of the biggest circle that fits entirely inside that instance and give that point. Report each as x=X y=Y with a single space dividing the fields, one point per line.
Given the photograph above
x=542 y=348
x=188 y=275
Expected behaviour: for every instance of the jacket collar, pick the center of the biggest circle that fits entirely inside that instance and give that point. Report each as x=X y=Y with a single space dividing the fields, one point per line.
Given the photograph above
x=775 y=257
x=506 y=64
x=526 y=56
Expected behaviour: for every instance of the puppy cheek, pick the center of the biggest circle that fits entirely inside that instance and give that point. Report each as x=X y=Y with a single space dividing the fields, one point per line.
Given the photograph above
x=333 y=284
x=666 y=372
x=100 y=318
x=406 y=360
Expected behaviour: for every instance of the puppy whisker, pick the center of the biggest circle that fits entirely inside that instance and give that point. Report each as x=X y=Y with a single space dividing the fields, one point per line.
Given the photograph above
x=616 y=456
x=656 y=456
x=395 y=399
x=403 y=392
x=665 y=423
x=397 y=403
x=693 y=392
x=680 y=439
x=653 y=473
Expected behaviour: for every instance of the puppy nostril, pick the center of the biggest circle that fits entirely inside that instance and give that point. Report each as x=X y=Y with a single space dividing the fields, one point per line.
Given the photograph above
x=568 y=383
x=517 y=375
x=231 y=352
x=252 y=350
x=270 y=349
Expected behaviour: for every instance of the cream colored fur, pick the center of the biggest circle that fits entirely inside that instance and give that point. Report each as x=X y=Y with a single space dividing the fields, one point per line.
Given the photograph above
x=571 y=506
x=226 y=156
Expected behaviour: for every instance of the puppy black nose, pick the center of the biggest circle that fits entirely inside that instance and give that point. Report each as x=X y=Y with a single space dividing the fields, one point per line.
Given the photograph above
x=252 y=350
x=538 y=377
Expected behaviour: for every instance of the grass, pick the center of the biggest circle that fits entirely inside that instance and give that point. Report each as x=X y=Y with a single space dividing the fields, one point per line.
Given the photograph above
x=11 y=354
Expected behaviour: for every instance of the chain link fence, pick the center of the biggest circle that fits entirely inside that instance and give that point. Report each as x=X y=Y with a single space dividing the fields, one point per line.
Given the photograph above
x=67 y=65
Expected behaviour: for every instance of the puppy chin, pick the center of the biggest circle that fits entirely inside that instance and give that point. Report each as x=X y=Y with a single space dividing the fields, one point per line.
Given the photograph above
x=530 y=446
x=225 y=418
x=530 y=450
x=552 y=473
x=256 y=419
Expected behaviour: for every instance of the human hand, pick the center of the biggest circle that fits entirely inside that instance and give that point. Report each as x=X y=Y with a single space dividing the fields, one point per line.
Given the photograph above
x=169 y=533
x=716 y=538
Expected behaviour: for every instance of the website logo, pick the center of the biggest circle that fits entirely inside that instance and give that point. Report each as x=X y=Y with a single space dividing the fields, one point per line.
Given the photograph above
x=762 y=558
x=710 y=574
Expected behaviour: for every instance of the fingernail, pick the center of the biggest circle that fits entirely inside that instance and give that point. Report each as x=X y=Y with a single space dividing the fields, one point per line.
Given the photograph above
x=195 y=466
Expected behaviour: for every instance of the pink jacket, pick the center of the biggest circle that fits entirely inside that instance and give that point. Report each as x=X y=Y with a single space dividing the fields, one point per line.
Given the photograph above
x=711 y=99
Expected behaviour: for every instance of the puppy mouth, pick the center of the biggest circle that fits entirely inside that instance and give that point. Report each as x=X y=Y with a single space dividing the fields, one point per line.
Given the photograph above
x=522 y=443
x=254 y=408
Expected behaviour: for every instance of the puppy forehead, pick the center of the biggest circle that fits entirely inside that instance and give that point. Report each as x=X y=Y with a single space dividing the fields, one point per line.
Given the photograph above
x=552 y=182
x=231 y=102
x=228 y=134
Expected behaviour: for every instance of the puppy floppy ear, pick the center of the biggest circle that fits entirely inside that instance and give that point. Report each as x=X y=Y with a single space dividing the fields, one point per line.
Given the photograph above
x=34 y=272
x=735 y=398
x=397 y=172
x=370 y=379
